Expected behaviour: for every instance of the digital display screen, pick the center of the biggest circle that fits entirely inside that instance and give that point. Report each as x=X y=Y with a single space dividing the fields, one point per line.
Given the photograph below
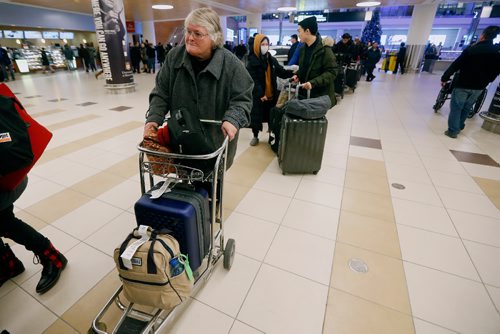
x=50 y=35
x=13 y=34
x=33 y=34
x=66 y=35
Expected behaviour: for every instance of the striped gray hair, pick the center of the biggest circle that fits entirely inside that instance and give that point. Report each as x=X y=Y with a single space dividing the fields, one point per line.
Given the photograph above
x=208 y=19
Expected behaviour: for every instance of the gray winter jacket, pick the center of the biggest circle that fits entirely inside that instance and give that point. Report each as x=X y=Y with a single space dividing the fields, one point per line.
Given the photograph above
x=222 y=91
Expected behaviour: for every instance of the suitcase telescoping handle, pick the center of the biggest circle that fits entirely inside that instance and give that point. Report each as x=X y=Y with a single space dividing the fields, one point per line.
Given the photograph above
x=297 y=87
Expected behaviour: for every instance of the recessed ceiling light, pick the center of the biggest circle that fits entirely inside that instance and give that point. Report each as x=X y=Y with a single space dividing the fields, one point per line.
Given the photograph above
x=367 y=4
x=287 y=9
x=163 y=7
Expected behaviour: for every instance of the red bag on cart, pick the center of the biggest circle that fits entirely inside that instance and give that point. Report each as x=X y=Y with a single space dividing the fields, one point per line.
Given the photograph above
x=24 y=146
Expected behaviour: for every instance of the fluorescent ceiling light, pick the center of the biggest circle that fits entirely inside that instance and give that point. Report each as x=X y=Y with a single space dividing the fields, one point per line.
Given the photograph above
x=163 y=7
x=287 y=9
x=486 y=12
x=367 y=4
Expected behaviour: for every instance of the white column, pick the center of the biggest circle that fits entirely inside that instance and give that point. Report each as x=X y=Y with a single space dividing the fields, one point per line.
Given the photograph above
x=254 y=21
x=148 y=31
x=418 y=34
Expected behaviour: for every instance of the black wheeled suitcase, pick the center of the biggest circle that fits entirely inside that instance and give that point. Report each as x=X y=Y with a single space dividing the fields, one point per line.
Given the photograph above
x=302 y=144
x=185 y=212
x=351 y=78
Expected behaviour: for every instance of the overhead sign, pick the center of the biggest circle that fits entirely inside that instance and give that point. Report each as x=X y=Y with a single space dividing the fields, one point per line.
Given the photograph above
x=130 y=26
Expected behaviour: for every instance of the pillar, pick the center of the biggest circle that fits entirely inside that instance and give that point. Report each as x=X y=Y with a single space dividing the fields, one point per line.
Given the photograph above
x=418 y=35
x=111 y=32
x=148 y=32
x=254 y=21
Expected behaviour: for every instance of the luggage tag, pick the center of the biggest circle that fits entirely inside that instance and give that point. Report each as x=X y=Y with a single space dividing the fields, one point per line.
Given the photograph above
x=185 y=261
x=165 y=188
x=129 y=252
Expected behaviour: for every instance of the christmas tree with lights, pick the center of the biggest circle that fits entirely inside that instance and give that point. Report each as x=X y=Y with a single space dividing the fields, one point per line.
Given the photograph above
x=372 y=31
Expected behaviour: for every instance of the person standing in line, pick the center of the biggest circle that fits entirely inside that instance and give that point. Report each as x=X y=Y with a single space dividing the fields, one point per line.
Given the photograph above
x=144 y=57
x=6 y=64
x=92 y=56
x=46 y=62
x=400 y=59
x=84 y=57
x=373 y=56
x=479 y=65
x=295 y=42
x=11 y=227
x=70 y=57
x=317 y=64
x=263 y=69
x=135 y=57
x=160 y=53
x=151 y=54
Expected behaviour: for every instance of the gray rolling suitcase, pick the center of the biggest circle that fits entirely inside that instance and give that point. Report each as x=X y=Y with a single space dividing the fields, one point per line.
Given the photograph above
x=302 y=141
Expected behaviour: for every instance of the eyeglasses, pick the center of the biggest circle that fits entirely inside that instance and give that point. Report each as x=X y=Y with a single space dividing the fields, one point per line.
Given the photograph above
x=195 y=34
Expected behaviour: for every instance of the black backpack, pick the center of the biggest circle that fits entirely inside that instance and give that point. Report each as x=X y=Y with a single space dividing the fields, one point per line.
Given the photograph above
x=15 y=144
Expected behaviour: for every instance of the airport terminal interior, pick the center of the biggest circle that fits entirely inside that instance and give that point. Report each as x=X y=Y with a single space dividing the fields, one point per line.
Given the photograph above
x=399 y=232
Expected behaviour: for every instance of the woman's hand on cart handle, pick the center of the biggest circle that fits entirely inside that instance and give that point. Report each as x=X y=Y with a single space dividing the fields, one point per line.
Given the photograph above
x=150 y=125
x=443 y=83
x=307 y=86
x=229 y=130
x=294 y=79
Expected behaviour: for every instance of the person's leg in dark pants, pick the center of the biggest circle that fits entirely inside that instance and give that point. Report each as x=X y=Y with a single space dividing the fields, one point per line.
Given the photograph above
x=461 y=104
x=52 y=260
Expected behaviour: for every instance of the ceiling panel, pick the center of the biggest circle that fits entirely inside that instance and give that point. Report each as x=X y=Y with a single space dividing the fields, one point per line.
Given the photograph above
x=141 y=10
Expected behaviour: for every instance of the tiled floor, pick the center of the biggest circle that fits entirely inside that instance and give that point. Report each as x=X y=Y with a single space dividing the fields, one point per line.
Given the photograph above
x=431 y=249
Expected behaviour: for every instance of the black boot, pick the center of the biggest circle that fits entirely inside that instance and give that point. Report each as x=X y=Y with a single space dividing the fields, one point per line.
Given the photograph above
x=53 y=263
x=10 y=265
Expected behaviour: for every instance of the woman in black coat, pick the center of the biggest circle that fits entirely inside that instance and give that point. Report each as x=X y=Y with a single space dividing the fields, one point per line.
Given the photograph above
x=263 y=69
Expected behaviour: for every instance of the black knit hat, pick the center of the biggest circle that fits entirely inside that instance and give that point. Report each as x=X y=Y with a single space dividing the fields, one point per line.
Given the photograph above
x=309 y=23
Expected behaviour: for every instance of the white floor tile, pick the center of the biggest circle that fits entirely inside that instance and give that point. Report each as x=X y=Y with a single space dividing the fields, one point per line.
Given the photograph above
x=485 y=259
x=123 y=195
x=253 y=236
x=111 y=235
x=303 y=254
x=281 y=302
x=402 y=158
x=455 y=181
x=442 y=165
x=487 y=172
x=37 y=192
x=241 y=328
x=85 y=268
x=495 y=295
x=418 y=192
x=435 y=251
x=450 y=301
x=400 y=173
x=87 y=219
x=424 y=327
x=77 y=173
x=226 y=290
x=312 y=218
x=200 y=318
x=366 y=153
x=423 y=216
x=264 y=205
x=6 y=288
x=278 y=184
x=334 y=160
x=468 y=202
x=320 y=193
x=476 y=228
x=274 y=167
x=24 y=313
x=328 y=174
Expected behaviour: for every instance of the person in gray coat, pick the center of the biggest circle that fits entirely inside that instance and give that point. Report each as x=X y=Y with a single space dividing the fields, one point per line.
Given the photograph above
x=205 y=79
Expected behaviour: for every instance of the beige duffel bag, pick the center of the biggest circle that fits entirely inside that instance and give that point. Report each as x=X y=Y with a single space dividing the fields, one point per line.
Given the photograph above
x=144 y=261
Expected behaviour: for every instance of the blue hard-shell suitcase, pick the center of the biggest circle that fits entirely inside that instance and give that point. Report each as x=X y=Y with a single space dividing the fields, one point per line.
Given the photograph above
x=185 y=212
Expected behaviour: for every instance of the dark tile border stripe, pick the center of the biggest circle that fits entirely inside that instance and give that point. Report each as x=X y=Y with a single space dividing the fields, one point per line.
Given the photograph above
x=366 y=142
x=475 y=158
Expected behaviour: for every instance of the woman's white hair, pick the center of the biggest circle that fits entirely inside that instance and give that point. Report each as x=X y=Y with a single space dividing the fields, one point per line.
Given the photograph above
x=208 y=19
x=328 y=41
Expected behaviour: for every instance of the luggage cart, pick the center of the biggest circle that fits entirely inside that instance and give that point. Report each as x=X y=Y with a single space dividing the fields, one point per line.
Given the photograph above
x=445 y=94
x=140 y=319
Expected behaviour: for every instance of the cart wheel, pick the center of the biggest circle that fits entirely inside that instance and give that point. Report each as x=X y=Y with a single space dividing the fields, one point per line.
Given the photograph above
x=478 y=105
x=229 y=253
x=316 y=172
